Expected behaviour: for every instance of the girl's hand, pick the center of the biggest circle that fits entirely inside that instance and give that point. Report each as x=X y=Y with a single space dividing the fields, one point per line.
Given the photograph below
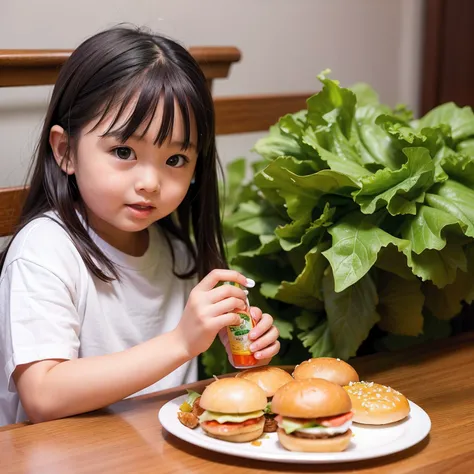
x=210 y=309
x=264 y=337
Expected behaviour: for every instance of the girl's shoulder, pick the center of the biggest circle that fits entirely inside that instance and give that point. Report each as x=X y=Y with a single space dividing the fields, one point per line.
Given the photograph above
x=44 y=240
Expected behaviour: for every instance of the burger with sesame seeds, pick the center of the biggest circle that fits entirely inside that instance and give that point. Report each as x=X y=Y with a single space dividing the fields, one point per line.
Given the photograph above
x=375 y=404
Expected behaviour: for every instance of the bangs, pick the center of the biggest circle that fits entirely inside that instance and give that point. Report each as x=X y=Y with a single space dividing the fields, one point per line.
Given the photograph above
x=135 y=104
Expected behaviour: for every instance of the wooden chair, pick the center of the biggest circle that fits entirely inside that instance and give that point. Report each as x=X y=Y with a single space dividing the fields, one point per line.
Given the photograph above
x=240 y=114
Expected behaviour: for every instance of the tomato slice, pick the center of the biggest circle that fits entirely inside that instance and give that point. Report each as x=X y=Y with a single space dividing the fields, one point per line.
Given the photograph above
x=328 y=421
x=334 y=421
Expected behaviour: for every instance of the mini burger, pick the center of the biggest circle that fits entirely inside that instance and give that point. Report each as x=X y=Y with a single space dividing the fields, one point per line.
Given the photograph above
x=314 y=415
x=328 y=368
x=269 y=379
x=375 y=404
x=234 y=410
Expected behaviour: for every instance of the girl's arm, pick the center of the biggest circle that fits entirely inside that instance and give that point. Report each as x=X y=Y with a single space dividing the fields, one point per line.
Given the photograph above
x=52 y=389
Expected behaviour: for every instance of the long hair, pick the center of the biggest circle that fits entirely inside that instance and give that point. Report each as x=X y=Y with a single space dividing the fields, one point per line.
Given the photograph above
x=113 y=70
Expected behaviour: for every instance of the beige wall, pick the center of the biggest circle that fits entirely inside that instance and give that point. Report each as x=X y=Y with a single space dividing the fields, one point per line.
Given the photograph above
x=284 y=45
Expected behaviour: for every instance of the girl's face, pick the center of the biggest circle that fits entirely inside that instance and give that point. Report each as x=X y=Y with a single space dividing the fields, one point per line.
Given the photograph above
x=128 y=186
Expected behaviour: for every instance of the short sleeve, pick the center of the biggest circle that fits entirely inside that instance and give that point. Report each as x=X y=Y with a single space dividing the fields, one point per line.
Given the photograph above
x=38 y=315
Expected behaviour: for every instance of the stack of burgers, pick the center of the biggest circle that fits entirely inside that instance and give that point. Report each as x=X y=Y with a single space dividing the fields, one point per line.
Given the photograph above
x=311 y=410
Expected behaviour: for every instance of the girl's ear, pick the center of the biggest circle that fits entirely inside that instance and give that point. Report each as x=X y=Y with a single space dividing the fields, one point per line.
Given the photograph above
x=58 y=140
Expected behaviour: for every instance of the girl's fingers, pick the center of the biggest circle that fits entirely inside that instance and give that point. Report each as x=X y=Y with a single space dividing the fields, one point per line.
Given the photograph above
x=220 y=275
x=268 y=352
x=226 y=291
x=228 y=319
x=266 y=340
x=229 y=305
x=265 y=323
x=256 y=313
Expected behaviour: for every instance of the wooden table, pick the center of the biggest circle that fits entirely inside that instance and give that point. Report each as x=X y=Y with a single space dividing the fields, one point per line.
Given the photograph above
x=127 y=437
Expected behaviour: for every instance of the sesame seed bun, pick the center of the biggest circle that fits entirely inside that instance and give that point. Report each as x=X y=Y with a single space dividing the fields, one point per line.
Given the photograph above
x=375 y=404
x=328 y=368
x=268 y=378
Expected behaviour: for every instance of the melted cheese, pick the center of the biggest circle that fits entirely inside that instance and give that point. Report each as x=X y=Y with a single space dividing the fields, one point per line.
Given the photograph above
x=329 y=430
x=229 y=417
x=312 y=427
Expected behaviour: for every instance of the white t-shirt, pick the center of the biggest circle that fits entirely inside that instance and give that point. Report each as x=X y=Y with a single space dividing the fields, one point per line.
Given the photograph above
x=52 y=307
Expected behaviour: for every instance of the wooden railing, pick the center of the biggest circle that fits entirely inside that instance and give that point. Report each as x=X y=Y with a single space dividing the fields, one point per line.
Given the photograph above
x=240 y=114
x=34 y=67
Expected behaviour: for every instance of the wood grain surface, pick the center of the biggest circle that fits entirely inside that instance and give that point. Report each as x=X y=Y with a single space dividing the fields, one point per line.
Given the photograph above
x=127 y=437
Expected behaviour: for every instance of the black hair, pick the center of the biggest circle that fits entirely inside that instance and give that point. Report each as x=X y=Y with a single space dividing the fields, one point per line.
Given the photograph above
x=107 y=72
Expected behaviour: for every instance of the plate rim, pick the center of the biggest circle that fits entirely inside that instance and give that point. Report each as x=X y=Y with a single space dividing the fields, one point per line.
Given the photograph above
x=416 y=436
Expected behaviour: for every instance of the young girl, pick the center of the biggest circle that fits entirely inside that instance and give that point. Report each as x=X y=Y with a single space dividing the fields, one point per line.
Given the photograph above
x=98 y=293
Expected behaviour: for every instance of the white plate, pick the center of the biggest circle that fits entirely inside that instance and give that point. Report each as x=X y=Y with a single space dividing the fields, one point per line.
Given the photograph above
x=368 y=441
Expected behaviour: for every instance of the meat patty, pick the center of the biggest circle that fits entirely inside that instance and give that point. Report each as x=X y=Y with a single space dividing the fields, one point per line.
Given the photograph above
x=302 y=434
x=271 y=424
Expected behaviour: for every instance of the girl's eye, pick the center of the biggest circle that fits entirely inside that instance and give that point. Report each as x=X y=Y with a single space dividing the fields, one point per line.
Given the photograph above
x=176 y=161
x=124 y=153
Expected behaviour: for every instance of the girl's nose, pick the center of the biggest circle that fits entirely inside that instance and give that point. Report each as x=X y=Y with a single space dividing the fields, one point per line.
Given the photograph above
x=149 y=181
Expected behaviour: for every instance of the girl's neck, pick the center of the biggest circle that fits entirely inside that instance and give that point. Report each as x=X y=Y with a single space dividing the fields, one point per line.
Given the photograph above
x=134 y=244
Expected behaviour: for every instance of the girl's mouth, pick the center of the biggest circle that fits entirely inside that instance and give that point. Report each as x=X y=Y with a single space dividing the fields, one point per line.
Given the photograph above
x=140 y=210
